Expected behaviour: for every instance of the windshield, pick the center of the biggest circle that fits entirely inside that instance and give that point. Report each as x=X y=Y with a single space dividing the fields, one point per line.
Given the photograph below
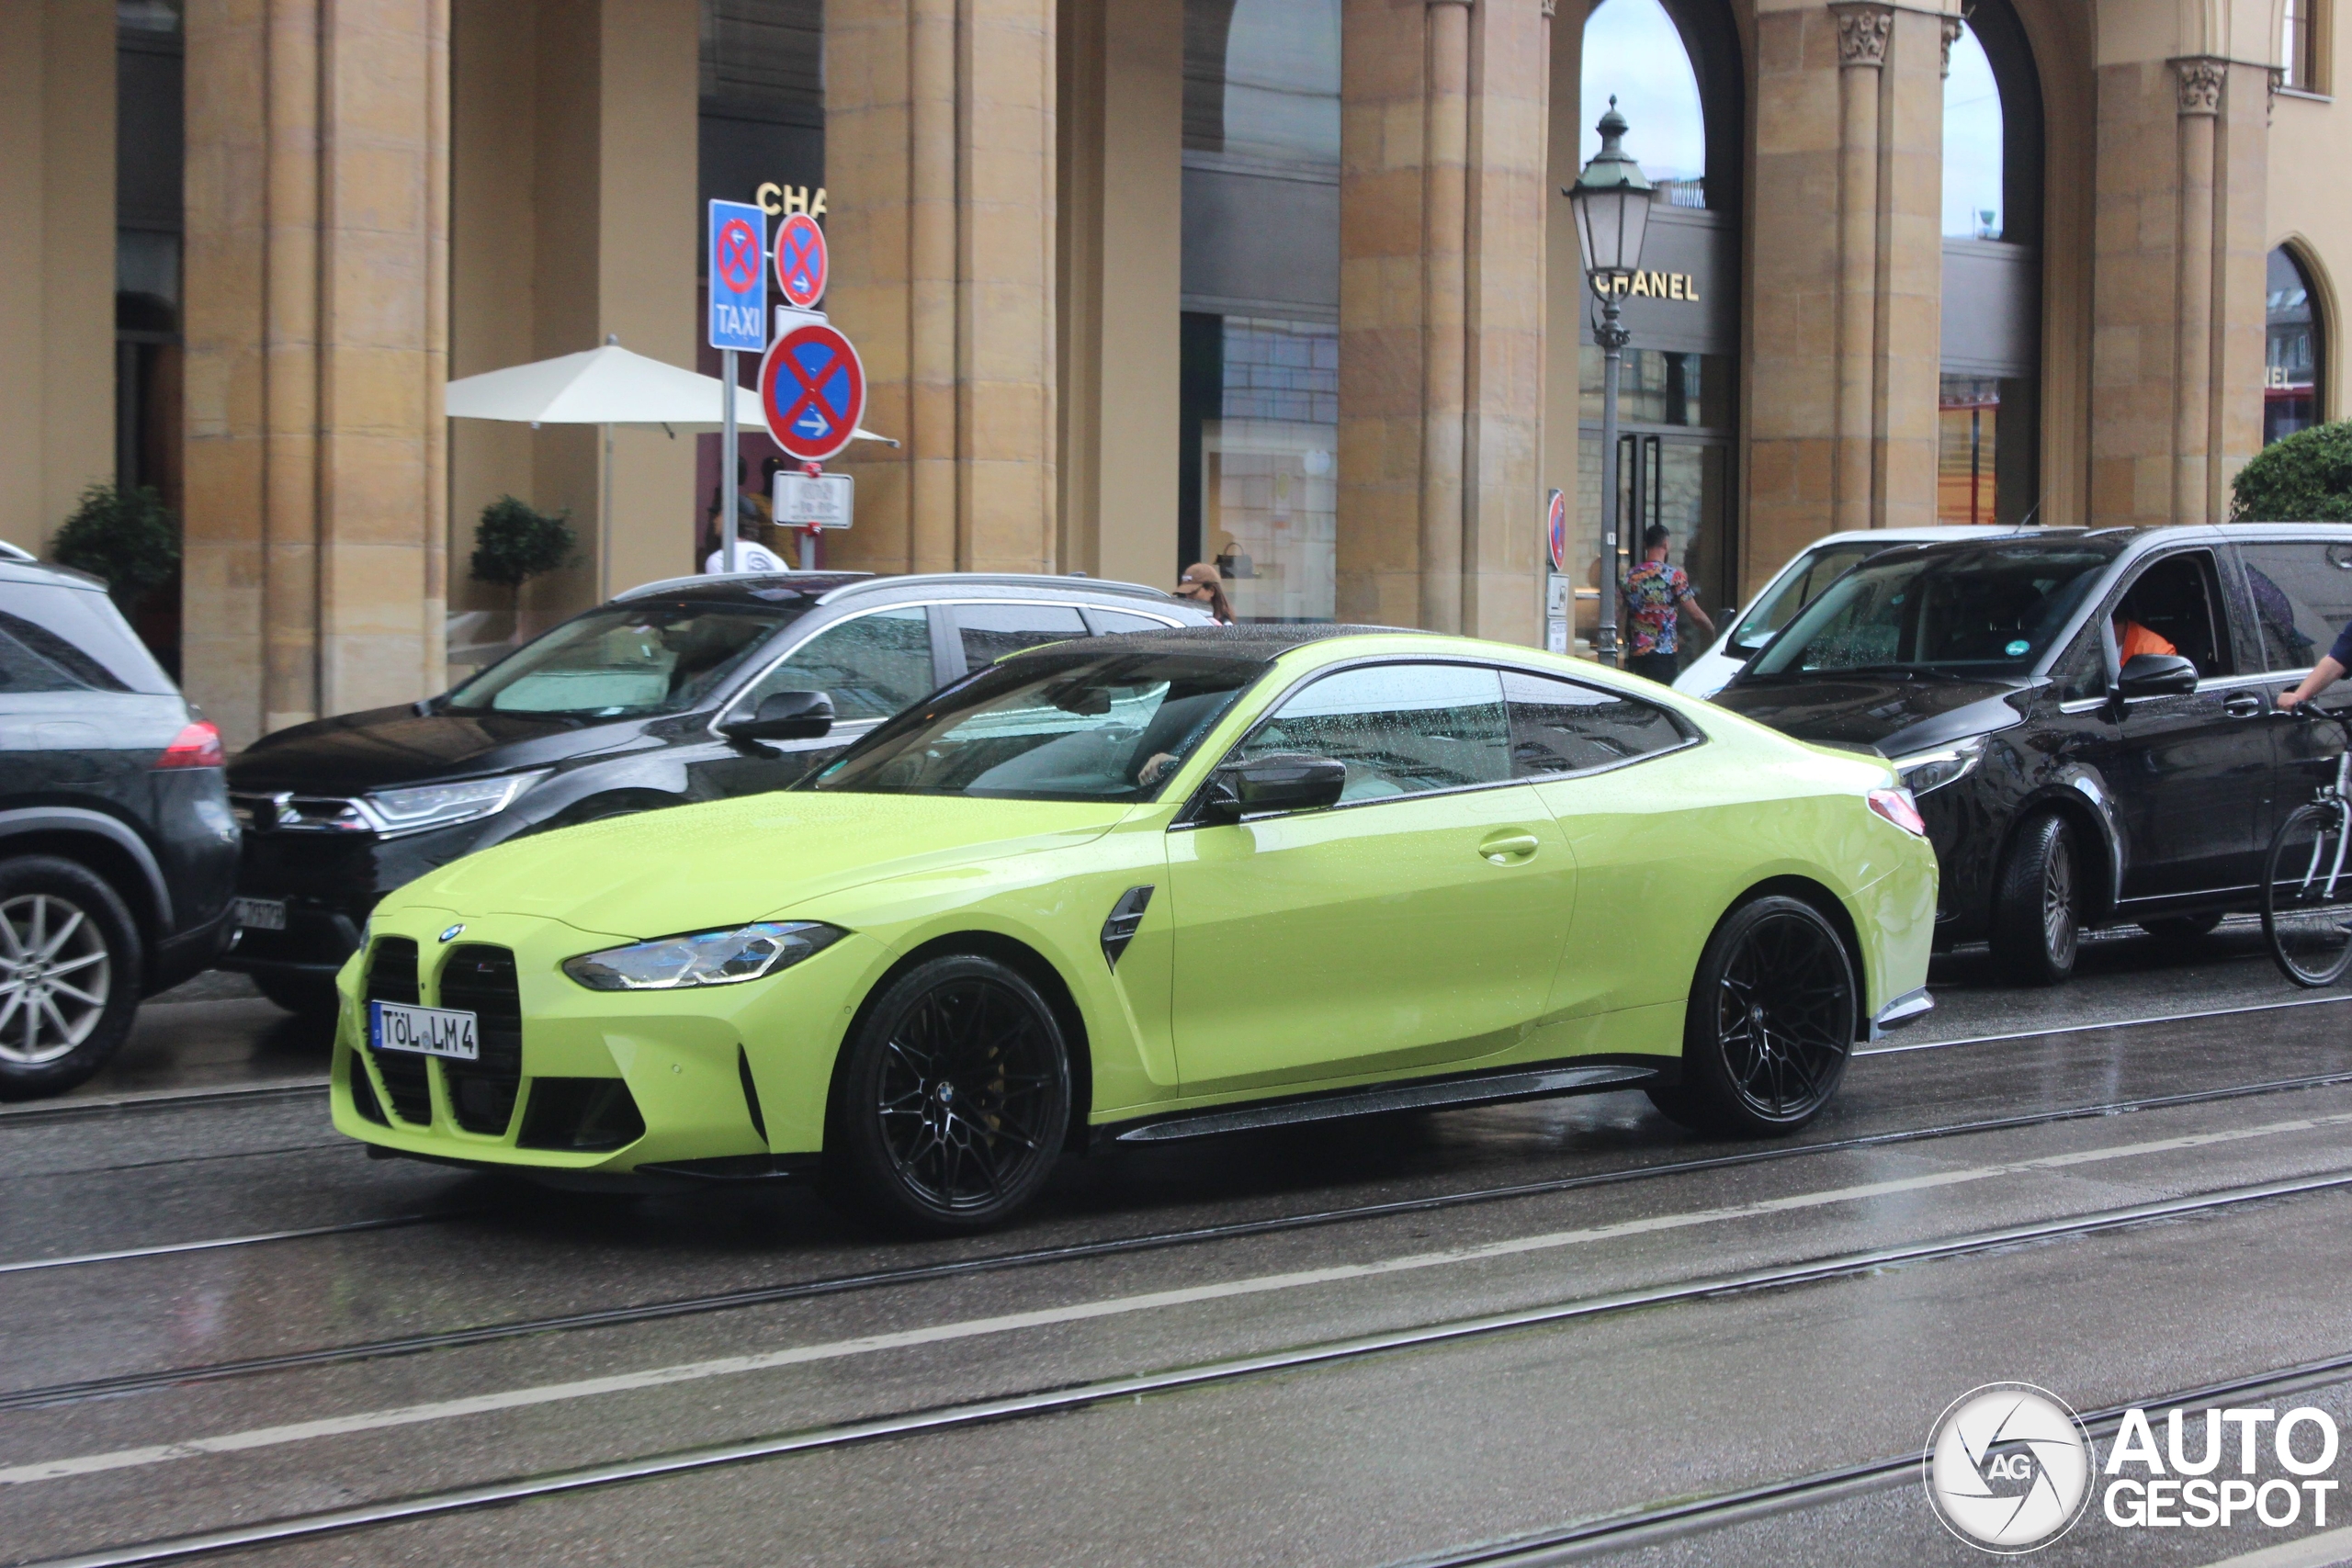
x=1049 y=726
x=1802 y=584
x=1983 y=610
x=625 y=660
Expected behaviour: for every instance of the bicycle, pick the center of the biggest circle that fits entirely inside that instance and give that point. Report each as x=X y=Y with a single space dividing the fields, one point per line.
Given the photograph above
x=2306 y=886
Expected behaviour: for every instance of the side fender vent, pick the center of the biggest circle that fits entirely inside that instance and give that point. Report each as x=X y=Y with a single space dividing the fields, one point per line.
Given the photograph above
x=1125 y=915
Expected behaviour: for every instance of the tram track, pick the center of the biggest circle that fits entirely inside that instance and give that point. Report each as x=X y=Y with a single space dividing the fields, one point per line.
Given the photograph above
x=128 y=1383
x=1051 y=1400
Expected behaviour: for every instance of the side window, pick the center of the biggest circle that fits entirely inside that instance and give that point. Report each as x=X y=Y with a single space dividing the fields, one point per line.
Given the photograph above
x=2081 y=675
x=2178 y=600
x=1561 y=726
x=35 y=658
x=991 y=631
x=872 y=665
x=1402 y=728
x=1112 y=622
x=2302 y=597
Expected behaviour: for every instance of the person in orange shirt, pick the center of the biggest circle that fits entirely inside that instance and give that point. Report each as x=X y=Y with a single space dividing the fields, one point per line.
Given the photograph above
x=2132 y=640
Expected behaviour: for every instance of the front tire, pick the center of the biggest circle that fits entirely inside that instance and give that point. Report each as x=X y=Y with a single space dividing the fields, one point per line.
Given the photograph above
x=69 y=968
x=953 y=1099
x=2037 y=905
x=1774 y=1012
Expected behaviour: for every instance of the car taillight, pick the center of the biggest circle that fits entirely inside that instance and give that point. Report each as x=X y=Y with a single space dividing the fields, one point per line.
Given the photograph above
x=1897 y=806
x=197 y=746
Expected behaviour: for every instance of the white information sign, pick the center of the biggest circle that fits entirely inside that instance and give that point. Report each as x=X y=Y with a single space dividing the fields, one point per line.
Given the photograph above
x=826 y=501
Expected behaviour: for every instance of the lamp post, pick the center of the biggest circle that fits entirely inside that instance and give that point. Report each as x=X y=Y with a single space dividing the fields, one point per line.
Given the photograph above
x=1612 y=201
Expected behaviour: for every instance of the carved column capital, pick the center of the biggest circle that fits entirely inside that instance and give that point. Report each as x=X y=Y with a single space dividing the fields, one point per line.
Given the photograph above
x=1863 y=27
x=1952 y=36
x=1551 y=9
x=2200 y=79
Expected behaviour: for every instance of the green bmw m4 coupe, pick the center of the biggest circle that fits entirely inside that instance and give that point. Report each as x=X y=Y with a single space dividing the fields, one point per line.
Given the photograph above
x=1150 y=887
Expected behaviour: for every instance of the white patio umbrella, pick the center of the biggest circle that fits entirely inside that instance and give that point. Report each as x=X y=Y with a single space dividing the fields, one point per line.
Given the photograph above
x=606 y=386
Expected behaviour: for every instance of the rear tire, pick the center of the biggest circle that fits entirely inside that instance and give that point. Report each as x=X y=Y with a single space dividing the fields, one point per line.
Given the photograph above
x=952 y=1101
x=69 y=968
x=2037 y=905
x=1773 y=1014
x=2307 y=922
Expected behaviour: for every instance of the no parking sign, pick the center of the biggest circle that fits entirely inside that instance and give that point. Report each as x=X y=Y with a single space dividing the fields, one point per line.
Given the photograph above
x=738 y=283
x=813 y=386
x=802 y=267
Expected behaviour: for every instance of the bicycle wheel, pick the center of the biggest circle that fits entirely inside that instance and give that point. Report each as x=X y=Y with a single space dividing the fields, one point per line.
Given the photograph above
x=2306 y=896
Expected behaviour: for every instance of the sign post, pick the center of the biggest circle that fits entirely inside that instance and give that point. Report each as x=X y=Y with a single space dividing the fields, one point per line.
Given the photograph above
x=739 y=322
x=1558 y=602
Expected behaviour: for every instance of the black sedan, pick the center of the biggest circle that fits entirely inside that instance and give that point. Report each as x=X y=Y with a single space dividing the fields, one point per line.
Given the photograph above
x=688 y=689
x=2064 y=784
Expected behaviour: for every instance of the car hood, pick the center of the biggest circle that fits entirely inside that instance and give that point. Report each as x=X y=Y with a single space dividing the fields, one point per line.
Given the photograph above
x=1887 y=714
x=730 y=861
x=385 y=747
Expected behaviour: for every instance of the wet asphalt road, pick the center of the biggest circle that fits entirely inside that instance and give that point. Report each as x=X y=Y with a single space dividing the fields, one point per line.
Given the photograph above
x=433 y=1330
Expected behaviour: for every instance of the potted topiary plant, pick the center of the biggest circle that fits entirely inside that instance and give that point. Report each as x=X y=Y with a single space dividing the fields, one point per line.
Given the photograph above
x=513 y=542
x=2306 y=478
x=125 y=536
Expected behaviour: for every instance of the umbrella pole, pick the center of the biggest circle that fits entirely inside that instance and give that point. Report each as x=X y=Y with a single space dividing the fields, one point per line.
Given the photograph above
x=604 y=525
x=727 y=460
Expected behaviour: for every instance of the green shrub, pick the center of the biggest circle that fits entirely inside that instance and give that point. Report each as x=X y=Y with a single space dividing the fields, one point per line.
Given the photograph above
x=125 y=536
x=2307 y=477
x=514 y=543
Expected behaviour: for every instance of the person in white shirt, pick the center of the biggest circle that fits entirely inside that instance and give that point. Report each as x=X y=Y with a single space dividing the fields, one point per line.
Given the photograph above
x=749 y=556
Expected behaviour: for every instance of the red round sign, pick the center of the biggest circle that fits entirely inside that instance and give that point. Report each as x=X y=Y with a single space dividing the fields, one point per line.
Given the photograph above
x=801 y=264
x=812 y=386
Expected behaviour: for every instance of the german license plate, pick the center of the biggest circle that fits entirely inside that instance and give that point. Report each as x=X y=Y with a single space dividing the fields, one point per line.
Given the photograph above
x=428 y=1031
x=258 y=914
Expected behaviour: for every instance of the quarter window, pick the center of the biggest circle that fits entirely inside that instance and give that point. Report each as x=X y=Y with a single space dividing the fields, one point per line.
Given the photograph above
x=1402 y=728
x=2302 y=596
x=871 y=667
x=1560 y=727
x=991 y=631
x=34 y=659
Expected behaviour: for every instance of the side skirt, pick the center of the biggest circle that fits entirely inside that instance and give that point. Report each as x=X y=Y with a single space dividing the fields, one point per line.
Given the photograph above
x=1582 y=1078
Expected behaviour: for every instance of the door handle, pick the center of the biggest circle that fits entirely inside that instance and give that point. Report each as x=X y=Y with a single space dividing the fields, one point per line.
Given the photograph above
x=2246 y=705
x=1504 y=847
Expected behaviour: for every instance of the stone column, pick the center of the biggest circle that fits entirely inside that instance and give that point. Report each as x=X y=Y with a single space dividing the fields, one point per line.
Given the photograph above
x=1907 y=367
x=940 y=147
x=1445 y=132
x=2200 y=82
x=1863 y=32
x=317 y=204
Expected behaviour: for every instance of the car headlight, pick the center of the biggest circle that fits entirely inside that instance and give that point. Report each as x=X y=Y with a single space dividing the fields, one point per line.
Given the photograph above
x=439 y=806
x=1924 y=771
x=704 y=958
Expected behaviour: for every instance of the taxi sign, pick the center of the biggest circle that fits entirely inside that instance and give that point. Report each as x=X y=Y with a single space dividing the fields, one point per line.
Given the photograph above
x=738 y=283
x=812 y=387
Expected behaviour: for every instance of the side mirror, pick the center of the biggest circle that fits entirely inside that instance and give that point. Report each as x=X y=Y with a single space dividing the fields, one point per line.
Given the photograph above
x=783 y=716
x=2156 y=675
x=1280 y=781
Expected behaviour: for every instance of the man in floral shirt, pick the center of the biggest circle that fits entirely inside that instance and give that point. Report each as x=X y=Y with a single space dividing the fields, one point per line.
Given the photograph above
x=1654 y=594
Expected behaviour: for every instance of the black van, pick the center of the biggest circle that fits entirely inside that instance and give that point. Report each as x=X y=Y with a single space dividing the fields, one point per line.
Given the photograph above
x=690 y=689
x=2063 y=787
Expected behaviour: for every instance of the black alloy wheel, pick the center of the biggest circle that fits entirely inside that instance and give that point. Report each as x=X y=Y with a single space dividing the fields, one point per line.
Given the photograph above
x=69 y=967
x=1773 y=1015
x=953 y=1099
x=2037 y=905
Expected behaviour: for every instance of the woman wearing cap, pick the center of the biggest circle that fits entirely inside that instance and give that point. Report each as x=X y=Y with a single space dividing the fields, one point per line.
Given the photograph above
x=1201 y=585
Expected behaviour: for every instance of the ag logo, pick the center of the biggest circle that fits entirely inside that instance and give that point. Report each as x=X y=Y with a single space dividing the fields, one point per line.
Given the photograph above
x=2008 y=1468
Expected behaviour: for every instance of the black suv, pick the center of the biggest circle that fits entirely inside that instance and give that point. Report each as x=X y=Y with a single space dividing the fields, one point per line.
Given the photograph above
x=2062 y=785
x=117 y=853
x=685 y=690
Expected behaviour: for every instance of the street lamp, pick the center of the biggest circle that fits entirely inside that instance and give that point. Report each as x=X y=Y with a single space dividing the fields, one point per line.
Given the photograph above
x=1612 y=200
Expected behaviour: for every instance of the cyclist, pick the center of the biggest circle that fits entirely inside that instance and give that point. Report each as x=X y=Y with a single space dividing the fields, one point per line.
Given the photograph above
x=2326 y=673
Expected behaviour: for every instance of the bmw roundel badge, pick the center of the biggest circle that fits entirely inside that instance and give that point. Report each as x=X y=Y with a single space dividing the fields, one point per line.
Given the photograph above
x=453 y=934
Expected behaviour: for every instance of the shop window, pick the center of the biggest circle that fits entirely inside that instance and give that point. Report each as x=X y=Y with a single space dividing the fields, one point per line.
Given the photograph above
x=1988 y=415
x=2293 y=350
x=1257 y=488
